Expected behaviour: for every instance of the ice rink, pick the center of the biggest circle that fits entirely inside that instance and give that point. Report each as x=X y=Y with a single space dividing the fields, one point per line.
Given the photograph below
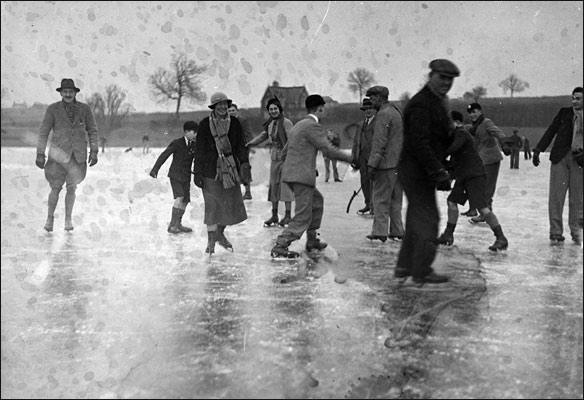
x=119 y=308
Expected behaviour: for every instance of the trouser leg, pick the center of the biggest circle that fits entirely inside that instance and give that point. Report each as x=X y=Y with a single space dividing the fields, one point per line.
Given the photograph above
x=559 y=180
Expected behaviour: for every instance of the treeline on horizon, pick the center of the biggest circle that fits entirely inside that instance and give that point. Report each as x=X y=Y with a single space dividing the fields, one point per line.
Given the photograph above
x=518 y=112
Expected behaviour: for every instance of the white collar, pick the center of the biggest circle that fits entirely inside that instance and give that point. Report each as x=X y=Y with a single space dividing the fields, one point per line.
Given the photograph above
x=314 y=116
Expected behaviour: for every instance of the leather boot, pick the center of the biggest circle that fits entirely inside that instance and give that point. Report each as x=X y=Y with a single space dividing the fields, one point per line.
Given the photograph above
x=273 y=220
x=286 y=220
x=313 y=243
x=501 y=242
x=447 y=237
x=221 y=239
x=211 y=238
x=178 y=222
x=49 y=224
x=172 y=228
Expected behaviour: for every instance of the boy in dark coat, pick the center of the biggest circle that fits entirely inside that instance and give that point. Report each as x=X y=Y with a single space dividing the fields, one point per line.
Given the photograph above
x=468 y=170
x=183 y=151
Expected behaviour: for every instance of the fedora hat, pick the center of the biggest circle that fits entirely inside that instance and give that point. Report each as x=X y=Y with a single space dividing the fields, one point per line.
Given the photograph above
x=67 y=84
x=218 y=98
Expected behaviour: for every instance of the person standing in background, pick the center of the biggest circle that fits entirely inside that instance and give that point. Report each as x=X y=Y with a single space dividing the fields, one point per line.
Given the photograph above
x=516 y=144
x=361 y=151
x=335 y=140
x=526 y=148
x=233 y=111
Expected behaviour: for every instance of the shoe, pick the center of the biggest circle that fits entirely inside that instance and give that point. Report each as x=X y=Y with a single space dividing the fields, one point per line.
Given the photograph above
x=500 y=244
x=223 y=242
x=364 y=210
x=431 y=281
x=68 y=226
x=317 y=245
x=49 y=224
x=272 y=221
x=476 y=220
x=326 y=180
x=182 y=228
x=401 y=277
x=211 y=238
x=377 y=237
x=576 y=239
x=173 y=229
x=470 y=213
x=396 y=238
x=445 y=239
x=247 y=196
x=285 y=221
x=338 y=180
x=557 y=238
x=282 y=252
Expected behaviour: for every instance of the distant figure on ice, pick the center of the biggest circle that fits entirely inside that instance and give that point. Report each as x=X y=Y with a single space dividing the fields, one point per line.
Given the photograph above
x=72 y=123
x=306 y=138
x=516 y=145
x=276 y=131
x=219 y=149
x=387 y=192
x=103 y=142
x=526 y=148
x=566 y=169
x=233 y=111
x=469 y=172
x=335 y=140
x=361 y=150
x=145 y=143
x=421 y=172
x=183 y=152
x=487 y=136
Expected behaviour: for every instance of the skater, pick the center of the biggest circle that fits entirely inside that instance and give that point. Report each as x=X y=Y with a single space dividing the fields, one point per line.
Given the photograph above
x=72 y=123
x=526 y=148
x=361 y=150
x=234 y=112
x=335 y=140
x=219 y=149
x=516 y=144
x=307 y=137
x=387 y=192
x=145 y=143
x=421 y=172
x=566 y=168
x=276 y=131
x=183 y=151
x=470 y=175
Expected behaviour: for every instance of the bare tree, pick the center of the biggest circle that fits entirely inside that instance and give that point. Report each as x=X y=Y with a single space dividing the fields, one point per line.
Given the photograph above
x=359 y=80
x=182 y=81
x=475 y=93
x=513 y=84
x=109 y=109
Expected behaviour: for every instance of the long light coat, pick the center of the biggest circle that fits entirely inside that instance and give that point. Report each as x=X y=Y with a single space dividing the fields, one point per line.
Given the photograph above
x=69 y=138
x=388 y=138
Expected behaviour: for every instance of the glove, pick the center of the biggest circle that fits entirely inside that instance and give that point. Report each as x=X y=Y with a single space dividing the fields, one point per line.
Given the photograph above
x=355 y=164
x=92 y=159
x=442 y=180
x=153 y=174
x=40 y=161
x=535 y=158
x=198 y=180
x=245 y=173
x=371 y=172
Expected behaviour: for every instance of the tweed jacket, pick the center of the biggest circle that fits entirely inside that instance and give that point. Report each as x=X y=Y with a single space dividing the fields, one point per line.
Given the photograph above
x=69 y=138
x=206 y=155
x=182 y=160
x=426 y=136
x=487 y=136
x=363 y=140
x=562 y=128
x=306 y=138
x=388 y=138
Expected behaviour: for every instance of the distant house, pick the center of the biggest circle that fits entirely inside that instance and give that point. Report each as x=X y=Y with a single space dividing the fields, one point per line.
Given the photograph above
x=292 y=99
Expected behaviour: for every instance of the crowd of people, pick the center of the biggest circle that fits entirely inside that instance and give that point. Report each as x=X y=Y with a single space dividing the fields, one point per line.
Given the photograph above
x=415 y=152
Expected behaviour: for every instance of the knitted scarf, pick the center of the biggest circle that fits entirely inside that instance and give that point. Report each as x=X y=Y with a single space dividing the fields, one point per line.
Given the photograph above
x=226 y=167
x=577 y=135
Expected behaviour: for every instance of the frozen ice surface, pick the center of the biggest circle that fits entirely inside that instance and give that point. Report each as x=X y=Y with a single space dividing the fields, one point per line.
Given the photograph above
x=119 y=308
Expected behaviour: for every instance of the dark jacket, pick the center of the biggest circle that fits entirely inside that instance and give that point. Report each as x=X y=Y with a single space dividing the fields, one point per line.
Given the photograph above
x=182 y=160
x=562 y=128
x=465 y=161
x=206 y=152
x=363 y=140
x=426 y=136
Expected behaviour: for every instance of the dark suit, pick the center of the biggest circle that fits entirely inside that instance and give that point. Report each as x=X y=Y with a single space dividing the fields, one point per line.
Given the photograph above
x=426 y=139
x=182 y=160
x=361 y=151
x=565 y=173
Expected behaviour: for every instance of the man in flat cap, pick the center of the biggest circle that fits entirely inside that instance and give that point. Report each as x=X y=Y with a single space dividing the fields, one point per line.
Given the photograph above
x=386 y=146
x=361 y=150
x=306 y=138
x=72 y=123
x=421 y=171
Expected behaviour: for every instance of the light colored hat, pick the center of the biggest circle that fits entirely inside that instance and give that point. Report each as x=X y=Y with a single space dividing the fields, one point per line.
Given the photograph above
x=218 y=98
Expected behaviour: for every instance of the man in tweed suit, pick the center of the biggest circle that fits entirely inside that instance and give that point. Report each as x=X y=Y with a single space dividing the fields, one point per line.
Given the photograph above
x=72 y=123
x=306 y=138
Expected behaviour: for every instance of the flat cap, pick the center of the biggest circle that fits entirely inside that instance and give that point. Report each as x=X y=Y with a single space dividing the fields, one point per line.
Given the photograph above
x=473 y=106
x=445 y=67
x=378 y=90
x=314 y=100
